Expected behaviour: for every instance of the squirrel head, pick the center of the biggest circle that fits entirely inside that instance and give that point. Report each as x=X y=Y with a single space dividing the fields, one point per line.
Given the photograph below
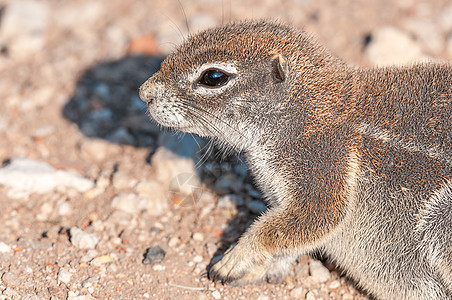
x=233 y=82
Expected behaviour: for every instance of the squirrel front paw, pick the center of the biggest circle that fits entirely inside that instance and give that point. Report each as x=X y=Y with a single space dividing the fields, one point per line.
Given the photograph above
x=240 y=265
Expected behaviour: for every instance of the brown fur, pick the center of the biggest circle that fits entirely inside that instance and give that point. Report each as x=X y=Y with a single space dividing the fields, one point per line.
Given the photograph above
x=356 y=163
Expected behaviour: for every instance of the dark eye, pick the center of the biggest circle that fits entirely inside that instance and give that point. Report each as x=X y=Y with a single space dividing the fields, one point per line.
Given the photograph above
x=213 y=78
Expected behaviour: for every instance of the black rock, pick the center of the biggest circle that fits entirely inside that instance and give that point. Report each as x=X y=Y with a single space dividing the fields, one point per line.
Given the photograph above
x=154 y=255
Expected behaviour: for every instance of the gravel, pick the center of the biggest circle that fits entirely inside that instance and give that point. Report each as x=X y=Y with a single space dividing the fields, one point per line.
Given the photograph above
x=74 y=135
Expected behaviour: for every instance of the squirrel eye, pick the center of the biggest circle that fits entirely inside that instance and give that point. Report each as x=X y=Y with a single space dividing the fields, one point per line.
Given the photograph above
x=213 y=78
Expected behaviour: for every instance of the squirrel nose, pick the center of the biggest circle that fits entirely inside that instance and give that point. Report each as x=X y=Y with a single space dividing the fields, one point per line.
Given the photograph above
x=145 y=94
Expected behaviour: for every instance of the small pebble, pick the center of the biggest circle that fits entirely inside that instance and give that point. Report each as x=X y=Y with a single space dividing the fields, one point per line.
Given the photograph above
x=64 y=209
x=64 y=276
x=158 y=267
x=297 y=292
x=347 y=296
x=10 y=294
x=89 y=282
x=197 y=236
x=334 y=284
x=83 y=240
x=263 y=297
x=216 y=294
x=310 y=296
x=123 y=181
x=129 y=203
x=74 y=296
x=4 y=248
x=197 y=259
x=156 y=194
x=10 y=279
x=173 y=242
x=318 y=271
x=90 y=254
x=154 y=255
x=256 y=207
x=100 y=260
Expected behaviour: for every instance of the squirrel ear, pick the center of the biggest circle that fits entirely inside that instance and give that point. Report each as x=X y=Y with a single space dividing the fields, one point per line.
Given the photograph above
x=279 y=68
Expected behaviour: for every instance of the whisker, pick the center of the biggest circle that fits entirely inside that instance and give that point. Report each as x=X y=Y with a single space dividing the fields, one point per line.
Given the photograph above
x=185 y=16
x=181 y=35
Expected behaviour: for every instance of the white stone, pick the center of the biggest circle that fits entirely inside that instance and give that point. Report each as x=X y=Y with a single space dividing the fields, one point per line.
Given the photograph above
x=297 y=292
x=173 y=242
x=263 y=297
x=158 y=267
x=318 y=271
x=24 y=25
x=4 y=248
x=83 y=240
x=64 y=276
x=75 y=296
x=310 y=296
x=197 y=259
x=10 y=294
x=174 y=171
x=334 y=284
x=64 y=209
x=156 y=194
x=129 y=203
x=90 y=254
x=197 y=236
x=10 y=279
x=391 y=46
x=216 y=294
x=27 y=176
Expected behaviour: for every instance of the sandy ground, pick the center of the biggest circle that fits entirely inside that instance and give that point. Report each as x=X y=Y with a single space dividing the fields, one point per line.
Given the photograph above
x=69 y=74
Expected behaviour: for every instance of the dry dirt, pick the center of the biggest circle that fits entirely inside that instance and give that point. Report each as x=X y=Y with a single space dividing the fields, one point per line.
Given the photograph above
x=69 y=73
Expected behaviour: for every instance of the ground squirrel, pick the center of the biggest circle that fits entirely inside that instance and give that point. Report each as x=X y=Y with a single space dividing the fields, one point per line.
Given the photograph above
x=355 y=163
